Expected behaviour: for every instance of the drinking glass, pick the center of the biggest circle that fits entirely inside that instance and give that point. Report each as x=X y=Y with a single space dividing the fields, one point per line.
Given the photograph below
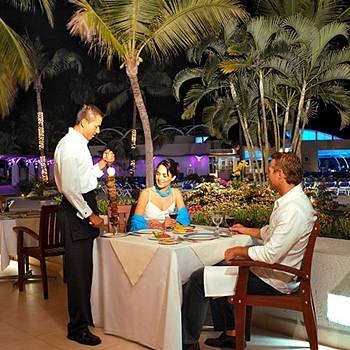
x=173 y=214
x=217 y=218
x=230 y=220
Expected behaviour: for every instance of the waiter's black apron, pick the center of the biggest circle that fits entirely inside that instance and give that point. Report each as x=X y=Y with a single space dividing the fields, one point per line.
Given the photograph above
x=78 y=241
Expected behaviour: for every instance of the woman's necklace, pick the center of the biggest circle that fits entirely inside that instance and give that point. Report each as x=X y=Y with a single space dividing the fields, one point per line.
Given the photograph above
x=165 y=194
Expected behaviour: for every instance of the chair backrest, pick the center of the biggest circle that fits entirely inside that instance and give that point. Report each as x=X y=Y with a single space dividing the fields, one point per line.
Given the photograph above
x=307 y=260
x=49 y=232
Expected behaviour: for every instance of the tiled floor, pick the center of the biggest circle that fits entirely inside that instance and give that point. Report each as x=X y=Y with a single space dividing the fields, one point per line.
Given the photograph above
x=27 y=321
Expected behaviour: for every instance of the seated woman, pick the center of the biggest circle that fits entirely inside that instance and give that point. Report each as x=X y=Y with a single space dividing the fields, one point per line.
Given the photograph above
x=156 y=203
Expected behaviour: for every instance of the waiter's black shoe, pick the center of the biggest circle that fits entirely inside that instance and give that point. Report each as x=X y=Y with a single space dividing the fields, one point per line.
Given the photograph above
x=194 y=346
x=85 y=337
x=222 y=341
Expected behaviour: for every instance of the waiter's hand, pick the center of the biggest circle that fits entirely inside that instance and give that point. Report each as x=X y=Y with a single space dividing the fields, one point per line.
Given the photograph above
x=95 y=220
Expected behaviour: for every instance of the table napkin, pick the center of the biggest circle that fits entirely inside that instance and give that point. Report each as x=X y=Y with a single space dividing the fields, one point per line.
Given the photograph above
x=135 y=264
x=212 y=252
x=220 y=281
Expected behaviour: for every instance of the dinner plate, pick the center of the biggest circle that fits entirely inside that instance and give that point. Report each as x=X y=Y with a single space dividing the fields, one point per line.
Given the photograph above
x=148 y=230
x=107 y=235
x=164 y=242
x=171 y=236
x=200 y=236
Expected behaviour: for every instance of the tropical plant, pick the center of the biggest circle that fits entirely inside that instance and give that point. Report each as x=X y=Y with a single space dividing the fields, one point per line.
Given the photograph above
x=43 y=67
x=321 y=11
x=127 y=29
x=15 y=65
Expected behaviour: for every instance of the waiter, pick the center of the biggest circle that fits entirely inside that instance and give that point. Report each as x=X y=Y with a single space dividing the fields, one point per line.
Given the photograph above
x=76 y=178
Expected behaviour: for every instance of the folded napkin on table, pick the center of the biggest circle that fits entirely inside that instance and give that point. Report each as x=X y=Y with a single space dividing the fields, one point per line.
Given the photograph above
x=134 y=264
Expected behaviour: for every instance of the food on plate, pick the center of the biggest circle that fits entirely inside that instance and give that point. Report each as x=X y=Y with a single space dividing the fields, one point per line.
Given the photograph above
x=168 y=241
x=183 y=229
x=160 y=234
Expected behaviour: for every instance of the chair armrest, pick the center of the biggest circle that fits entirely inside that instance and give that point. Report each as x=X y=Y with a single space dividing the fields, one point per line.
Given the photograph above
x=244 y=262
x=27 y=230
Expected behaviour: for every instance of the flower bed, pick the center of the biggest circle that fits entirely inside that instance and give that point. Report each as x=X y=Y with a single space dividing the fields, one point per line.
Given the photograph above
x=251 y=205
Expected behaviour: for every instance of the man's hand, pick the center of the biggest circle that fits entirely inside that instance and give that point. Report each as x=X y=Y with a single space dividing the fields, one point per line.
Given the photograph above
x=95 y=220
x=231 y=253
x=236 y=229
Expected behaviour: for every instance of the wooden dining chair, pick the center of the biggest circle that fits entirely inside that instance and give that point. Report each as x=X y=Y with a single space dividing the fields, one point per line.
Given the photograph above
x=50 y=243
x=299 y=301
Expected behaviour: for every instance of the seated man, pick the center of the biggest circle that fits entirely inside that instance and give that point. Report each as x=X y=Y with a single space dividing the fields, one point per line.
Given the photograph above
x=284 y=241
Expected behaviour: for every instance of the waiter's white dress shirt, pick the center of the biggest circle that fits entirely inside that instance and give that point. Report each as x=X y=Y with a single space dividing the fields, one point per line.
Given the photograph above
x=75 y=173
x=285 y=239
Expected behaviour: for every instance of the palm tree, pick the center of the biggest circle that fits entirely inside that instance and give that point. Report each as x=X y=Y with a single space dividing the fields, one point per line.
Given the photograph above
x=158 y=28
x=15 y=64
x=43 y=68
x=314 y=70
x=320 y=11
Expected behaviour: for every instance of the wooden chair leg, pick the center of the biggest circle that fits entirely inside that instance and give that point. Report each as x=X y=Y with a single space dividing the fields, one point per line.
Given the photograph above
x=20 y=258
x=240 y=313
x=248 y=322
x=44 y=277
x=27 y=267
x=310 y=324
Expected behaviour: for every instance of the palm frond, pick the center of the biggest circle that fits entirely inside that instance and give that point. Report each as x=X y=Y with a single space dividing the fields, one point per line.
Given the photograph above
x=231 y=66
x=184 y=76
x=46 y=6
x=321 y=38
x=14 y=54
x=184 y=23
x=89 y=23
x=117 y=102
x=61 y=61
x=7 y=90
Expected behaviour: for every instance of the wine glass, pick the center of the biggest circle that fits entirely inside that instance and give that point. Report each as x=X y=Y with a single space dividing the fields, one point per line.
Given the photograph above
x=173 y=214
x=230 y=220
x=217 y=218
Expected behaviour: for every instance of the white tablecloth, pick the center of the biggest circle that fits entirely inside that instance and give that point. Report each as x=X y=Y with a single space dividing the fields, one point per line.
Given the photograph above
x=8 y=237
x=150 y=311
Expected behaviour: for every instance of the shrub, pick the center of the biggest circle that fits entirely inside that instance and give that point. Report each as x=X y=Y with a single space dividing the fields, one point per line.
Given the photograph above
x=251 y=205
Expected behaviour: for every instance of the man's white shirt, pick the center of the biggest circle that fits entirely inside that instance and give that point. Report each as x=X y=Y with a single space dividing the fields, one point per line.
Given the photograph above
x=75 y=173
x=285 y=239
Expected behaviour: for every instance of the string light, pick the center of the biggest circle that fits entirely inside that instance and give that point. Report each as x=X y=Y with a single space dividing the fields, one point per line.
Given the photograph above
x=41 y=144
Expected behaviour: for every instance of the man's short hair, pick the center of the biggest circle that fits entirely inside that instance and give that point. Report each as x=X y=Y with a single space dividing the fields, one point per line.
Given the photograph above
x=291 y=166
x=88 y=112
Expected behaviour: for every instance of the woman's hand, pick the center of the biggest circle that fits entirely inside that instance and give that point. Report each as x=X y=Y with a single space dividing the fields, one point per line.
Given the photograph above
x=155 y=224
x=169 y=223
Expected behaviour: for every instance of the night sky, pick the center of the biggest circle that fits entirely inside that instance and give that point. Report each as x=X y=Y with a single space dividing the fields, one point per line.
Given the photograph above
x=56 y=100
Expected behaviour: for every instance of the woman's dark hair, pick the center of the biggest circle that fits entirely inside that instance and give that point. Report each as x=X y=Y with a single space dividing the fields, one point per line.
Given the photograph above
x=171 y=166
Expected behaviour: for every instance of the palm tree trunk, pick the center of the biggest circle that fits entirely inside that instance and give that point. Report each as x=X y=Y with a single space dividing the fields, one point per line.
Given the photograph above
x=276 y=134
x=265 y=140
x=41 y=130
x=133 y=140
x=263 y=169
x=245 y=129
x=307 y=108
x=285 y=123
x=297 y=122
x=131 y=71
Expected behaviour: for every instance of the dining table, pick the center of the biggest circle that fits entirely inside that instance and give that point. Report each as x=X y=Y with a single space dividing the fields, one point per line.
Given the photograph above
x=137 y=282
